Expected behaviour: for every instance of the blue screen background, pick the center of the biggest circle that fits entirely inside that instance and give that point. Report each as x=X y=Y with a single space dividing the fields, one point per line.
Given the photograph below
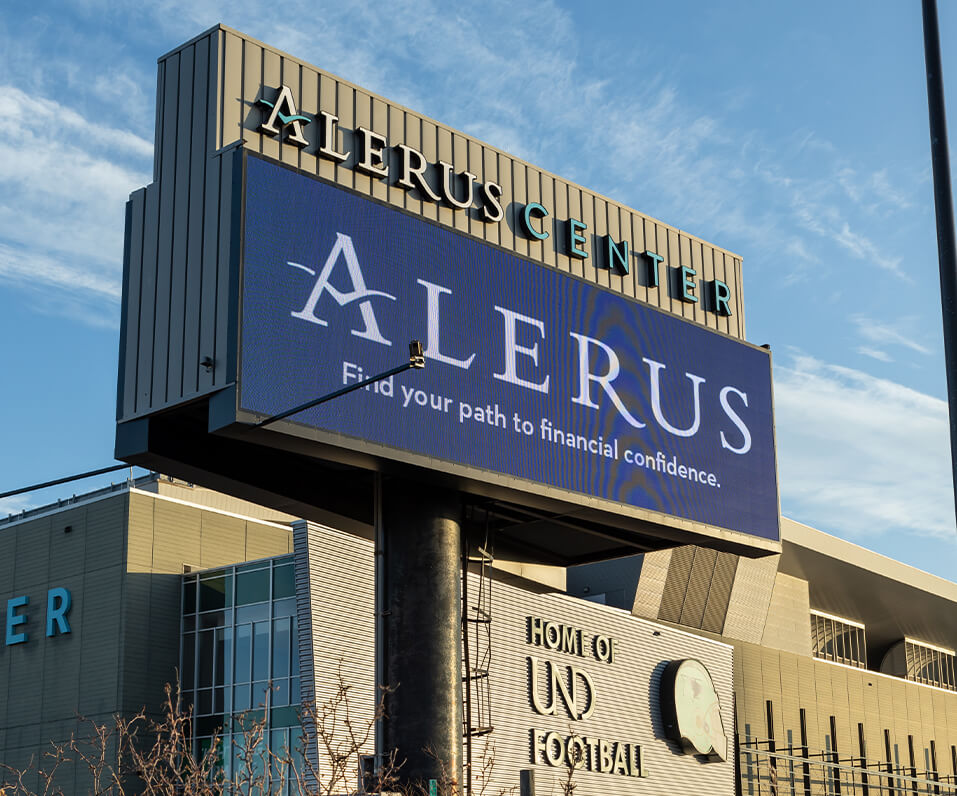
x=285 y=361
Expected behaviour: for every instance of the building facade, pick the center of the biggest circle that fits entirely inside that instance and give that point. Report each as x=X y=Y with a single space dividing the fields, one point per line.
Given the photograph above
x=558 y=519
x=258 y=612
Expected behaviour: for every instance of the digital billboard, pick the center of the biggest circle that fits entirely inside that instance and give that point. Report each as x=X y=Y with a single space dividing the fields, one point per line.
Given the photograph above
x=531 y=373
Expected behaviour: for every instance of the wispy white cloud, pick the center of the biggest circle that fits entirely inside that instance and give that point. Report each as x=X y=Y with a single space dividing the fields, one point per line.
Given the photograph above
x=861 y=456
x=901 y=333
x=874 y=353
x=26 y=268
x=63 y=187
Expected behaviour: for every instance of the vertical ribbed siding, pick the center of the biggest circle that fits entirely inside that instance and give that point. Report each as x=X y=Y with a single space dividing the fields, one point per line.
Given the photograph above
x=179 y=259
x=699 y=584
x=651 y=584
x=180 y=301
x=719 y=594
x=334 y=577
x=249 y=66
x=336 y=612
x=676 y=584
x=750 y=598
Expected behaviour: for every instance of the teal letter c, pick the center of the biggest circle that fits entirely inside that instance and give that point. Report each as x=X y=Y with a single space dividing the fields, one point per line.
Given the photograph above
x=538 y=210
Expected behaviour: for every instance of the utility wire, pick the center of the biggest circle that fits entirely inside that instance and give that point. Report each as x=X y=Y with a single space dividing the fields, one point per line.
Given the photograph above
x=416 y=360
x=66 y=480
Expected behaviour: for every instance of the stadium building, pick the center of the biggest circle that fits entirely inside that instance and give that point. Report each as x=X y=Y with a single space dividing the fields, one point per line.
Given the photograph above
x=551 y=533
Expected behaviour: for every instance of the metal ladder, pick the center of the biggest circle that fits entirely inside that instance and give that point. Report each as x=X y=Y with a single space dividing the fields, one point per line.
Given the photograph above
x=476 y=649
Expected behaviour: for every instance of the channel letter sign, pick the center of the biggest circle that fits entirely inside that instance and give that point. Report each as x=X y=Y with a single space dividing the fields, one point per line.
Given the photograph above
x=531 y=373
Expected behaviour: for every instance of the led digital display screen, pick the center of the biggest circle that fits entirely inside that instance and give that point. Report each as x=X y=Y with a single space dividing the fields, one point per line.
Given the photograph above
x=530 y=372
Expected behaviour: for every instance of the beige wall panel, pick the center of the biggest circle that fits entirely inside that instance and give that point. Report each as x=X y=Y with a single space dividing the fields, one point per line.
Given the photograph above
x=379 y=122
x=362 y=104
x=334 y=570
x=328 y=103
x=223 y=540
x=622 y=714
x=716 y=609
x=345 y=110
x=309 y=97
x=67 y=550
x=99 y=639
x=444 y=151
x=690 y=310
x=548 y=186
x=176 y=533
x=265 y=541
x=430 y=148
x=556 y=227
x=139 y=540
x=519 y=197
x=460 y=162
x=699 y=584
x=596 y=233
x=676 y=584
x=573 y=211
x=788 y=625
x=750 y=597
x=533 y=193
x=233 y=108
x=589 y=269
x=651 y=584
x=252 y=88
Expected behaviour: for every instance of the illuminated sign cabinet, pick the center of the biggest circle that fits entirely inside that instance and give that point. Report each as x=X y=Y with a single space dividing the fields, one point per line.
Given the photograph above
x=300 y=232
x=531 y=373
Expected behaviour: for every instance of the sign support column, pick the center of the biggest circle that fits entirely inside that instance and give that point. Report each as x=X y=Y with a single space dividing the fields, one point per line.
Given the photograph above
x=422 y=660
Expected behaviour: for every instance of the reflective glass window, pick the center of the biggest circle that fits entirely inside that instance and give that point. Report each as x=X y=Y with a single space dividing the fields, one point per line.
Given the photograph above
x=187 y=668
x=284 y=582
x=260 y=651
x=244 y=648
x=280 y=647
x=213 y=591
x=206 y=644
x=189 y=595
x=285 y=607
x=252 y=587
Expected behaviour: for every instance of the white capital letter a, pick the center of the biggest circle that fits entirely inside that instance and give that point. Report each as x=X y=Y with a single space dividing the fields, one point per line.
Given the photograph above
x=359 y=291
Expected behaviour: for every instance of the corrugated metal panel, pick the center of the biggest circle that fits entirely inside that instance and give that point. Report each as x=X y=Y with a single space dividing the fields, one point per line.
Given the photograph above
x=651 y=583
x=676 y=585
x=335 y=606
x=335 y=570
x=626 y=695
x=788 y=625
x=750 y=598
x=716 y=608
x=181 y=264
x=699 y=584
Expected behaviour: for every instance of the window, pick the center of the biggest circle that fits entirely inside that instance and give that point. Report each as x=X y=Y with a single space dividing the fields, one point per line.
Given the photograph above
x=929 y=664
x=839 y=640
x=239 y=652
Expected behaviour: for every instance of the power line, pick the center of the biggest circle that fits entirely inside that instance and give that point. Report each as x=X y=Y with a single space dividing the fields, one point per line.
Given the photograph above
x=65 y=480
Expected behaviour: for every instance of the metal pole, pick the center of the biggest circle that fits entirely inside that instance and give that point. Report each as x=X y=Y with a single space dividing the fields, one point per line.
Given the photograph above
x=943 y=202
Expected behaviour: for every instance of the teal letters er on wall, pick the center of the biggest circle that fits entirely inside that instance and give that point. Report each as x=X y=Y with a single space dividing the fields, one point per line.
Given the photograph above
x=59 y=602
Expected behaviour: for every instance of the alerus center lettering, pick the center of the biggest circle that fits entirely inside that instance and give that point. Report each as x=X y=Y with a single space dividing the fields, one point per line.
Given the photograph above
x=407 y=168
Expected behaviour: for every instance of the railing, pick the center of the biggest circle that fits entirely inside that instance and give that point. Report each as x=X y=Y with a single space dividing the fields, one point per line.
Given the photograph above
x=796 y=771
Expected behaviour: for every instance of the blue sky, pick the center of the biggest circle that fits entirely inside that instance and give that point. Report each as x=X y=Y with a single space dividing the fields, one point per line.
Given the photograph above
x=792 y=134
